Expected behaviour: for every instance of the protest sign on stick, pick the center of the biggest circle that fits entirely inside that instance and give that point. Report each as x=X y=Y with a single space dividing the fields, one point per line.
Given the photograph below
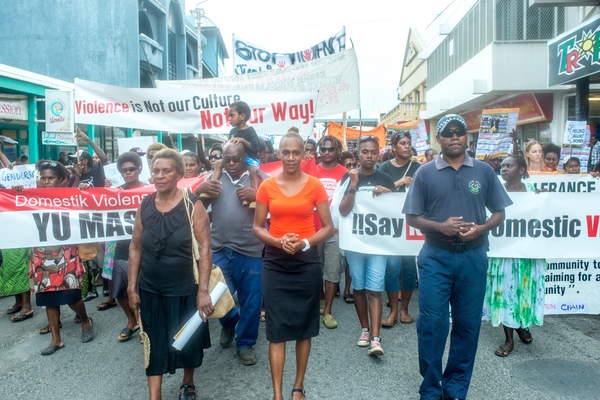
x=495 y=137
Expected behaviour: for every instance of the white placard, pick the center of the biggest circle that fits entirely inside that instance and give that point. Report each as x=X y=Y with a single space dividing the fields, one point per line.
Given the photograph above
x=575 y=133
x=19 y=175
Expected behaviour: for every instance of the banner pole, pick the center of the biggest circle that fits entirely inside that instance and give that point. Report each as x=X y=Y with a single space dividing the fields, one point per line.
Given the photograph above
x=344 y=124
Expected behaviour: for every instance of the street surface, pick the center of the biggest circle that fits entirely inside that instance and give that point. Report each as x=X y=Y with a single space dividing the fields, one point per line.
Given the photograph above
x=563 y=362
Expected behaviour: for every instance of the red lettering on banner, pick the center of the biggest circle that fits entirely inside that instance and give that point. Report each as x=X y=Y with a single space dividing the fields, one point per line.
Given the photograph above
x=279 y=111
x=592 y=224
x=258 y=116
x=210 y=120
x=413 y=233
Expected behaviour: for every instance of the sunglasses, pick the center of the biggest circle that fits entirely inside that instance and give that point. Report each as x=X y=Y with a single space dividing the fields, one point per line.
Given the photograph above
x=234 y=160
x=215 y=157
x=326 y=149
x=350 y=165
x=130 y=169
x=50 y=163
x=448 y=133
x=369 y=137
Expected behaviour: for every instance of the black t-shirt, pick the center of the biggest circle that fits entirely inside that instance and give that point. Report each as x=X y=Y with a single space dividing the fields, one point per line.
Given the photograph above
x=93 y=178
x=397 y=173
x=250 y=135
x=377 y=178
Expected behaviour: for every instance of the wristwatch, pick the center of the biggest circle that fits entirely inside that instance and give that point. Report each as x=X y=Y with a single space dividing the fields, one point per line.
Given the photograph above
x=307 y=245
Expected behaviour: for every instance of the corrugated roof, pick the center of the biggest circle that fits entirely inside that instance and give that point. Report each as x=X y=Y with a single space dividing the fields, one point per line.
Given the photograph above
x=31 y=77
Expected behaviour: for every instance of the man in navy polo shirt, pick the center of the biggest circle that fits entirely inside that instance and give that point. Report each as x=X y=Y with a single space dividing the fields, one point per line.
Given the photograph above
x=447 y=202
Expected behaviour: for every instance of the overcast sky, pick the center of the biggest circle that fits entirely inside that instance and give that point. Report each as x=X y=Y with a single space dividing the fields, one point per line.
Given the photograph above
x=378 y=29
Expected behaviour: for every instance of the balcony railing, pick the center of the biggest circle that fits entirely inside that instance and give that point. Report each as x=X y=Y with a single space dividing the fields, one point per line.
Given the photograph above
x=151 y=53
x=403 y=112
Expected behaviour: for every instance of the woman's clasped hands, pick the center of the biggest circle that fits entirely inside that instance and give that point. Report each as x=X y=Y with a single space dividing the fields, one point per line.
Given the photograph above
x=291 y=243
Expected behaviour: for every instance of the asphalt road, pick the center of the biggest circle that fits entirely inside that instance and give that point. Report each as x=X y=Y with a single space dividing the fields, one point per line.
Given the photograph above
x=563 y=362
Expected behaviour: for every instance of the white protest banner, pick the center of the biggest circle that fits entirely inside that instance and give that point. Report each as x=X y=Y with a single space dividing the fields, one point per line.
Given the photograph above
x=59 y=111
x=19 y=175
x=59 y=139
x=48 y=217
x=111 y=172
x=248 y=57
x=190 y=111
x=335 y=77
x=495 y=133
x=557 y=225
x=562 y=183
x=575 y=133
x=572 y=286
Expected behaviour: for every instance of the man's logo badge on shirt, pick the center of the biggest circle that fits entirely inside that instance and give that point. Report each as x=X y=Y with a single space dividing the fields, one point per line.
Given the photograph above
x=474 y=187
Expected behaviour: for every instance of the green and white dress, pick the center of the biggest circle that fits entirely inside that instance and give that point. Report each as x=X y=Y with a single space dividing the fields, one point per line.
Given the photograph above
x=515 y=290
x=14 y=272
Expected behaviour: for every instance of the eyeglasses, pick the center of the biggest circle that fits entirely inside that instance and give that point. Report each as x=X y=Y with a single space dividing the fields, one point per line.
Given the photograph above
x=130 y=169
x=448 y=133
x=369 y=137
x=215 y=157
x=234 y=160
x=350 y=165
x=326 y=149
x=50 y=163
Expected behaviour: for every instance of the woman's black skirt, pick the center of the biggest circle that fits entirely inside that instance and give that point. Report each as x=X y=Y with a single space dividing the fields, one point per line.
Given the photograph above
x=162 y=317
x=57 y=298
x=291 y=289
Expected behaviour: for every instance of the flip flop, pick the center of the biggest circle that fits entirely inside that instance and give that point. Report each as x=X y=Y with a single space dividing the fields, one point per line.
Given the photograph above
x=127 y=333
x=263 y=316
x=87 y=336
x=45 y=330
x=19 y=316
x=524 y=335
x=349 y=298
x=387 y=324
x=52 y=349
x=105 y=305
x=503 y=352
x=14 y=309
x=407 y=320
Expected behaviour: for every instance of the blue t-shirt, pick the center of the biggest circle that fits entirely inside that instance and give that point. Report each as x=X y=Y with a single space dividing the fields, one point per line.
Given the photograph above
x=439 y=192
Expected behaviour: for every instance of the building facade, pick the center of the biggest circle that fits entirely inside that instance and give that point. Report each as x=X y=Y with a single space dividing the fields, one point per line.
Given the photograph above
x=125 y=43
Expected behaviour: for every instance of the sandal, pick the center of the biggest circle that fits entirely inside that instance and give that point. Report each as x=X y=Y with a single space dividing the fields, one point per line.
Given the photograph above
x=105 y=305
x=185 y=393
x=406 y=319
x=524 y=335
x=46 y=329
x=503 y=351
x=349 y=298
x=20 y=316
x=77 y=319
x=127 y=333
x=263 y=316
x=301 y=391
x=14 y=309
x=388 y=322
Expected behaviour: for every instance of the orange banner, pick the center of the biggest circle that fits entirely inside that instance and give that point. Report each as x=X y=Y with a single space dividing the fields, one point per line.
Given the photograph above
x=334 y=129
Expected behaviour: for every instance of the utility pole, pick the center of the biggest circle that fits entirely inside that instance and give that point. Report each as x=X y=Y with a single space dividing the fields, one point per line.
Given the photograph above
x=198 y=13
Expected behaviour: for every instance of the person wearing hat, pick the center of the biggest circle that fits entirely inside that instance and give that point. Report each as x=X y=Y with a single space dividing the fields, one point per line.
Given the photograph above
x=447 y=202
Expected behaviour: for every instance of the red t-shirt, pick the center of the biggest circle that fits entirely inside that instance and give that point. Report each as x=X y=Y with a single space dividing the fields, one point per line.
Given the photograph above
x=329 y=178
x=292 y=214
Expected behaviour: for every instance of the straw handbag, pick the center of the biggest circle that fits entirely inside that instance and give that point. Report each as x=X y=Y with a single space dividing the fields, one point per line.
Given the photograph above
x=145 y=340
x=225 y=303
x=88 y=251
